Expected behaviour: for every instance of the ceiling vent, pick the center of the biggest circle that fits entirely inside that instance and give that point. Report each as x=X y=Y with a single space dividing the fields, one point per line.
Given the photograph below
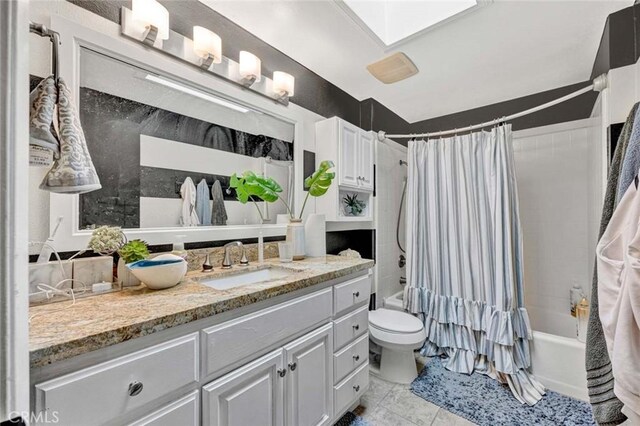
x=393 y=68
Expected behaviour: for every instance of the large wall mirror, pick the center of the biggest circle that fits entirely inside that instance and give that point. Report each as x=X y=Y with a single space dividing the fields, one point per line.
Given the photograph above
x=152 y=124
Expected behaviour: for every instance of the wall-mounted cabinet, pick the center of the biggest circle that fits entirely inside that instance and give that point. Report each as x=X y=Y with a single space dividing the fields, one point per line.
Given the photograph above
x=352 y=150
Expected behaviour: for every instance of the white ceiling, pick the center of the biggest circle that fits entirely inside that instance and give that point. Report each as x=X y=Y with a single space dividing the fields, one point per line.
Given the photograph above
x=504 y=50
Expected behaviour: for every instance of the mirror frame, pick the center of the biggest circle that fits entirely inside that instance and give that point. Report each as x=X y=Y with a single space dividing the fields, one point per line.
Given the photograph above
x=73 y=37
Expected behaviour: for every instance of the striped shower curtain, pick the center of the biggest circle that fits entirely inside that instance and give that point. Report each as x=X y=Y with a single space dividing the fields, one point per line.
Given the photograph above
x=464 y=252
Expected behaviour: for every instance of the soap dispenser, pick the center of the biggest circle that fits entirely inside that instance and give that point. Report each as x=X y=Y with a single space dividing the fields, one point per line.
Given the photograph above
x=178 y=247
x=582 y=317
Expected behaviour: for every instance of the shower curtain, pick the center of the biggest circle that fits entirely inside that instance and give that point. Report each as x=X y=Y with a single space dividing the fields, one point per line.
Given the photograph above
x=464 y=257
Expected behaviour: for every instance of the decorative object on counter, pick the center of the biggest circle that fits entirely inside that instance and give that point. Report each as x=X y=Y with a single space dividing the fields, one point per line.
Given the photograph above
x=350 y=253
x=106 y=240
x=295 y=237
x=164 y=271
x=315 y=236
x=188 y=194
x=132 y=251
x=218 y=210
x=575 y=295
x=353 y=206
x=203 y=209
x=285 y=251
x=72 y=171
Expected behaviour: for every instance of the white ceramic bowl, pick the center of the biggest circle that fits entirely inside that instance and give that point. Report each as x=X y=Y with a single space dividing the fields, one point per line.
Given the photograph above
x=158 y=277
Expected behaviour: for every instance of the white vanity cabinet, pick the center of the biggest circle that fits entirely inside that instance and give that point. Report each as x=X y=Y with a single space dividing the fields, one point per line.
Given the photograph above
x=300 y=362
x=352 y=151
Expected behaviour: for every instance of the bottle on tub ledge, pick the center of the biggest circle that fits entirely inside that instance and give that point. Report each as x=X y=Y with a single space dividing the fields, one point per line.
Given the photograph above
x=582 y=319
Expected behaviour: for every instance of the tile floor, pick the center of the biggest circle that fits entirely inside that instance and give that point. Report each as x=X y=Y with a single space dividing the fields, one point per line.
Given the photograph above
x=390 y=404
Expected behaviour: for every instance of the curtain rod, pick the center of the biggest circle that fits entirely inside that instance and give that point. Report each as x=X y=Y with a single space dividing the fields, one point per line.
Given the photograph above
x=598 y=85
x=54 y=37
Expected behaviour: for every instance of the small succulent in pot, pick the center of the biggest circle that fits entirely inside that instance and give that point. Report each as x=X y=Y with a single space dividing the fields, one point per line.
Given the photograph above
x=106 y=240
x=133 y=251
x=353 y=206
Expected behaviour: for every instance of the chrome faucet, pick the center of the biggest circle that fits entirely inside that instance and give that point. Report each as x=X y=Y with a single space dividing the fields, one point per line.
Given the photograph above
x=227 y=262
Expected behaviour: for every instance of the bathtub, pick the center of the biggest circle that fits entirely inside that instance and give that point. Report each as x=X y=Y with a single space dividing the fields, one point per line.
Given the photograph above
x=556 y=361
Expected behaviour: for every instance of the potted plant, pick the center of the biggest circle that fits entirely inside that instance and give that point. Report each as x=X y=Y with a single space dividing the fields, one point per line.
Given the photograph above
x=250 y=185
x=131 y=252
x=353 y=206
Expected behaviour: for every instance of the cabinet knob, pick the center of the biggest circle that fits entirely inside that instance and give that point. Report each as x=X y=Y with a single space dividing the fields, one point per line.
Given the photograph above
x=356 y=327
x=135 y=388
x=356 y=388
x=292 y=366
x=281 y=372
x=356 y=357
x=356 y=294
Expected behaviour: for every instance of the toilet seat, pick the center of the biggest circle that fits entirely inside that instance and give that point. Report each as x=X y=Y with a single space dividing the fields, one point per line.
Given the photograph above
x=396 y=330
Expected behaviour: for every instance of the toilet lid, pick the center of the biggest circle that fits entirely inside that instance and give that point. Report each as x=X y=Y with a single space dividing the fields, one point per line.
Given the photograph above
x=394 y=321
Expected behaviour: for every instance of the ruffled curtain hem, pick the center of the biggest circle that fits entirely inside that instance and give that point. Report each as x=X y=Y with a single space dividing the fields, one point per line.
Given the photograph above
x=478 y=337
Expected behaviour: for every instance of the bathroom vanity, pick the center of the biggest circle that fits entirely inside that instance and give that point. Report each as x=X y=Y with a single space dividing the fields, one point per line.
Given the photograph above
x=291 y=350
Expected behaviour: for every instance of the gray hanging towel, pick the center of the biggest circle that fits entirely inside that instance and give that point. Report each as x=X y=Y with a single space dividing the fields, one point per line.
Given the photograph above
x=218 y=211
x=43 y=141
x=203 y=209
x=604 y=403
x=630 y=159
x=73 y=171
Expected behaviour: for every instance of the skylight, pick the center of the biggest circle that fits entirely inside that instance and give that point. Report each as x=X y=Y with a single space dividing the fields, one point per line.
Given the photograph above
x=392 y=21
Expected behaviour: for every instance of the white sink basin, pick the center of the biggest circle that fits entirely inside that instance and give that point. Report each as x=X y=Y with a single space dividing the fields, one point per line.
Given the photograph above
x=245 y=278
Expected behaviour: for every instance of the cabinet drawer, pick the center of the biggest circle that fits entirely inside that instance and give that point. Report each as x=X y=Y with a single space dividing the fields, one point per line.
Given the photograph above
x=350 y=326
x=353 y=387
x=106 y=391
x=351 y=293
x=240 y=339
x=184 y=412
x=349 y=358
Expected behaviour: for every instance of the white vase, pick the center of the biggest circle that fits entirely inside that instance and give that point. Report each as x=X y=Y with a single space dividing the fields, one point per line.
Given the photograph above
x=295 y=236
x=315 y=236
x=125 y=277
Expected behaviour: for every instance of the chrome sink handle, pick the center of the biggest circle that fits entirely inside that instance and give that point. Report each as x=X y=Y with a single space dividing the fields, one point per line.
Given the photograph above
x=227 y=263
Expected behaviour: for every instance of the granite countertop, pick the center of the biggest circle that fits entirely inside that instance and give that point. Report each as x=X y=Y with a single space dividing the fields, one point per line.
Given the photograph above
x=62 y=330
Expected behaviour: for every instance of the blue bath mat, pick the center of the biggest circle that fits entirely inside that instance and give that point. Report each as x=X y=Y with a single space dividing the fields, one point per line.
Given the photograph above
x=485 y=401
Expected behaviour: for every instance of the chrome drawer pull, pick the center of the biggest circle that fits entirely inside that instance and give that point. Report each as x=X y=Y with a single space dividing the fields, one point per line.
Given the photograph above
x=281 y=372
x=356 y=388
x=356 y=357
x=356 y=294
x=356 y=327
x=135 y=388
x=292 y=366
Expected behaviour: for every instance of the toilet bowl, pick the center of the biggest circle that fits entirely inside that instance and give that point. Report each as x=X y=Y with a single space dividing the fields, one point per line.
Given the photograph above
x=398 y=334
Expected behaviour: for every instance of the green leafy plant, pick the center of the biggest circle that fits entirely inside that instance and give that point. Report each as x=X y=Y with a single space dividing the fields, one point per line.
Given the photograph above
x=250 y=186
x=319 y=182
x=133 y=251
x=354 y=207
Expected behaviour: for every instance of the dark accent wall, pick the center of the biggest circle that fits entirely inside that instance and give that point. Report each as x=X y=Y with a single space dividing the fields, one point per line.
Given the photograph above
x=361 y=240
x=620 y=42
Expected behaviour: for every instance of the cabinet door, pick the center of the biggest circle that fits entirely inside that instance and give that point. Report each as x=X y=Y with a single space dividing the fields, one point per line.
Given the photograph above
x=309 y=390
x=348 y=163
x=365 y=166
x=250 y=395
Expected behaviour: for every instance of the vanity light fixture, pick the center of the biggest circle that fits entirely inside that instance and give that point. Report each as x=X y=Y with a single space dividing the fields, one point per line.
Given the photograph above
x=250 y=68
x=207 y=45
x=150 y=21
x=185 y=89
x=283 y=85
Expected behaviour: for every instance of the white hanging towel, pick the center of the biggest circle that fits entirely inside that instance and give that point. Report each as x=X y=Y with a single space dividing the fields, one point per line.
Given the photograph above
x=618 y=261
x=188 y=193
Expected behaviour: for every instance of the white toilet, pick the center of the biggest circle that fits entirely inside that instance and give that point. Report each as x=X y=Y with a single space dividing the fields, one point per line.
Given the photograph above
x=399 y=334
